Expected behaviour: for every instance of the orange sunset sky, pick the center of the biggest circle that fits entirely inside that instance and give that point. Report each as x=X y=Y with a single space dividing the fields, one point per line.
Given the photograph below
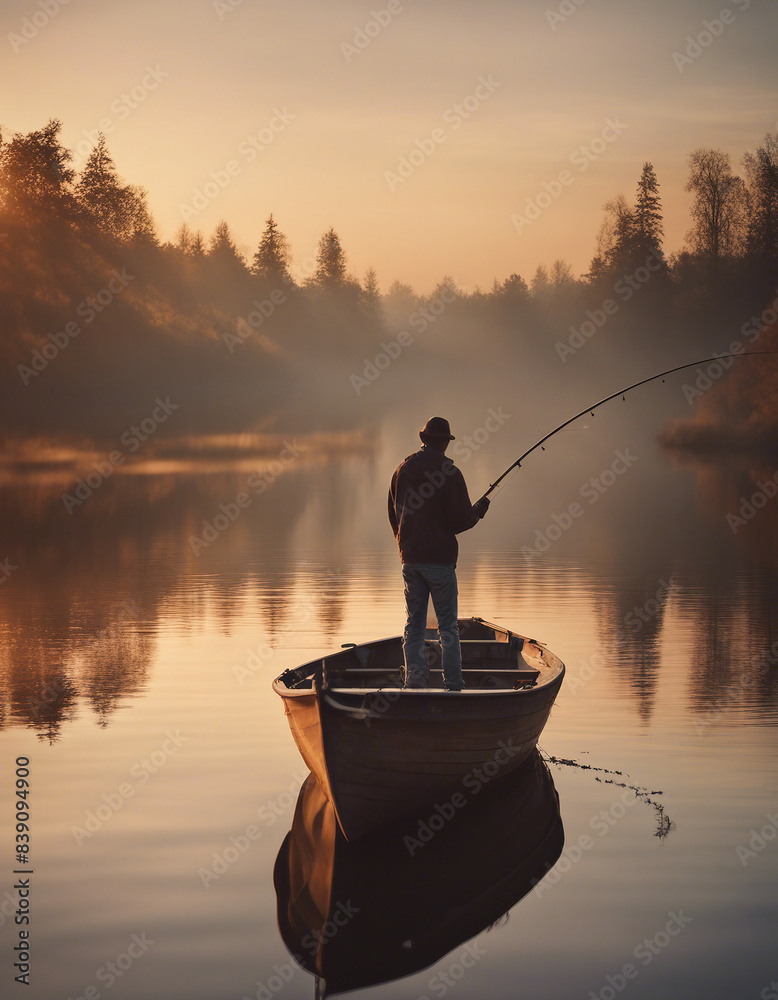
x=182 y=89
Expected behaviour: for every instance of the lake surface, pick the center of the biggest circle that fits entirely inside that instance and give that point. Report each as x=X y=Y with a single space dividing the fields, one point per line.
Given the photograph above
x=136 y=671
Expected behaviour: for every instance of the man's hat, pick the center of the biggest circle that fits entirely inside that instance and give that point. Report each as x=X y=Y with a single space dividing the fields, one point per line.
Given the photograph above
x=437 y=427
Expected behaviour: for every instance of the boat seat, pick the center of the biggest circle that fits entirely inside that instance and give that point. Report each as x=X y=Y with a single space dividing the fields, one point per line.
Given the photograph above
x=476 y=678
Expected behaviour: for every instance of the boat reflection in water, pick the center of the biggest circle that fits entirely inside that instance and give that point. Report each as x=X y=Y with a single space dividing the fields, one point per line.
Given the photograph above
x=358 y=914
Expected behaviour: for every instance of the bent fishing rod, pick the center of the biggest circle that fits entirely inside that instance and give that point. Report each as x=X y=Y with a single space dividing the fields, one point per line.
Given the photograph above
x=613 y=395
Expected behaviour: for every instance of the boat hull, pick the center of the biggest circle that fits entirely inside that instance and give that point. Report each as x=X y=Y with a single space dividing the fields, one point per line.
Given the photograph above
x=386 y=753
x=420 y=751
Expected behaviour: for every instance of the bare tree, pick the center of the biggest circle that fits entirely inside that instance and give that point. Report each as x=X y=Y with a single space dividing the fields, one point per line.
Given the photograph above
x=719 y=209
x=562 y=275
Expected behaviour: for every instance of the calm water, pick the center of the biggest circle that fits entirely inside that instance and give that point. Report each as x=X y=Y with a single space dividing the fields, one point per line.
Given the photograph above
x=136 y=677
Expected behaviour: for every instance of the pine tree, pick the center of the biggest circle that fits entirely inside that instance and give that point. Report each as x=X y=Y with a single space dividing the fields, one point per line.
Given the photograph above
x=198 y=246
x=271 y=261
x=223 y=250
x=371 y=294
x=648 y=213
x=540 y=285
x=184 y=239
x=330 y=262
x=447 y=290
x=120 y=211
x=105 y=201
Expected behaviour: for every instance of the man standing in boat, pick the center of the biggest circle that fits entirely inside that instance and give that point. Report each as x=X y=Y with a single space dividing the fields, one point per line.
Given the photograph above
x=428 y=507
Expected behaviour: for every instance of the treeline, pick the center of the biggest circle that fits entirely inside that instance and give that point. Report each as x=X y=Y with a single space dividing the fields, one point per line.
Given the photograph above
x=100 y=315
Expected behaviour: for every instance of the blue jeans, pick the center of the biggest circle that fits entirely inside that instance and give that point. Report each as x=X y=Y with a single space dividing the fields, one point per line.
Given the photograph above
x=422 y=580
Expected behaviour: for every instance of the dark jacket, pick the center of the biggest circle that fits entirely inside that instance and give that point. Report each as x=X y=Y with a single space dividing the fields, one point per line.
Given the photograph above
x=428 y=507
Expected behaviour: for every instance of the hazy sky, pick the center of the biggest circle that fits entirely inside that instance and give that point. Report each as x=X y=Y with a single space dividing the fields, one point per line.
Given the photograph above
x=182 y=87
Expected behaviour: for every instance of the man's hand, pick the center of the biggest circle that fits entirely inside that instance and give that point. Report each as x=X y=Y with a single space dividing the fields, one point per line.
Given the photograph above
x=481 y=506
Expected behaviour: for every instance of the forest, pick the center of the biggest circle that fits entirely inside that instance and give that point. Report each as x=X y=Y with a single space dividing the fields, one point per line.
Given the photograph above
x=102 y=318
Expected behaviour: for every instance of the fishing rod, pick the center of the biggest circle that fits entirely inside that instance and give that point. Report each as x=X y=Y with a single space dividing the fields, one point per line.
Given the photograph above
x=622 y=393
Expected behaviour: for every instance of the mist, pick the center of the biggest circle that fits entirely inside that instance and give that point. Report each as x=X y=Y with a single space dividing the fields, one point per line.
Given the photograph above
x=116 y=340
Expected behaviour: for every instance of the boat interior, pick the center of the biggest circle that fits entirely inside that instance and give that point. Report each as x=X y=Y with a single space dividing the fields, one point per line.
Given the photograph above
x=491 y=659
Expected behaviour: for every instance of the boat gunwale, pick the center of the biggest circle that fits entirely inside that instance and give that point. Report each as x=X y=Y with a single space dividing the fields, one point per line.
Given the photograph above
x=555 y=670
x=427 y=692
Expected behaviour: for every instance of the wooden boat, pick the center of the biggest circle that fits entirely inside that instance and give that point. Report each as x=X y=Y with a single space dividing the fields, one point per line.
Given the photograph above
x=356 y=914
x=380 y=751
